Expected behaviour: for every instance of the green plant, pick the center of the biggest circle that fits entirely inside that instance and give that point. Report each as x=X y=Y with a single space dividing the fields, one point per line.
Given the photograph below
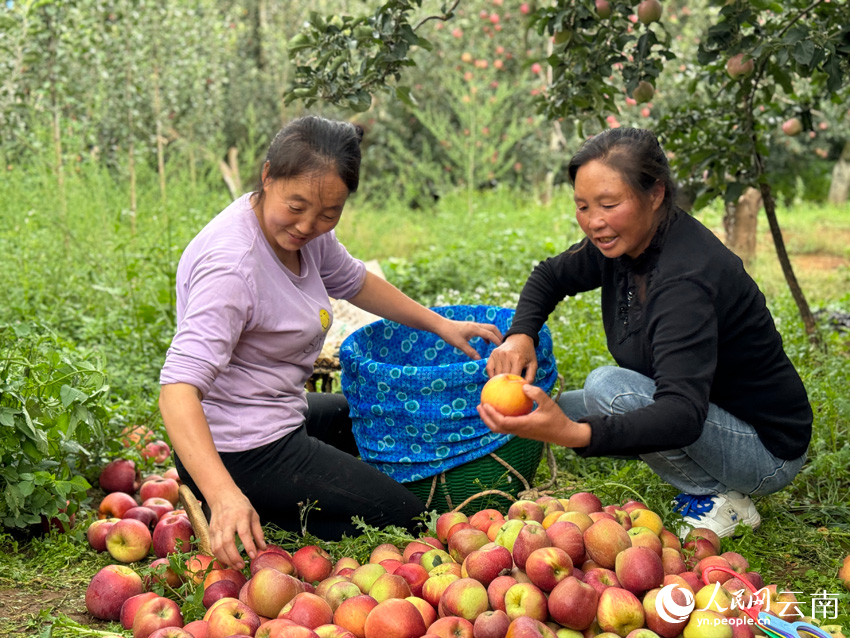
x=53 y=403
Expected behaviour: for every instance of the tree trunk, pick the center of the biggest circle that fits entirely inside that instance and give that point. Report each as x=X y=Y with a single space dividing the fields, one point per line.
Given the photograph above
x=160 y=146
x=787 y=270
x=740 y=223
x=839 y=189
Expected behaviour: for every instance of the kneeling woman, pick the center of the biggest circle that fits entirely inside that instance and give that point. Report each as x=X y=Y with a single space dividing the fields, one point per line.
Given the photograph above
x=704 y=392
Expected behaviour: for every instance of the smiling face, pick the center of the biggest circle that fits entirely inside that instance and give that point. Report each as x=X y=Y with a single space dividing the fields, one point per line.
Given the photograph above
x=295 y=211
x=612 y=215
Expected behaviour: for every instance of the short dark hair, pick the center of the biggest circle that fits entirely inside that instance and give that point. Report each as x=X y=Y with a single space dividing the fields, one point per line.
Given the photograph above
x=313 y=144
x=636 y=155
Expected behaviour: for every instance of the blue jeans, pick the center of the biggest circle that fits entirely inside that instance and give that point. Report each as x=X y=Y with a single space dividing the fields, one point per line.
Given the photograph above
x=728 y=455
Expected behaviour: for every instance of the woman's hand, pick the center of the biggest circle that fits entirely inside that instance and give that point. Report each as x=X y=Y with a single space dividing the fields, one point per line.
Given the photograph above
x=233 y=514
x=547 y=423
x=513 y=356
x=459 y=333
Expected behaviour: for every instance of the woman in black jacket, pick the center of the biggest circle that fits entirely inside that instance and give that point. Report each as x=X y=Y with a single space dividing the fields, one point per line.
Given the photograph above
x=704 y=392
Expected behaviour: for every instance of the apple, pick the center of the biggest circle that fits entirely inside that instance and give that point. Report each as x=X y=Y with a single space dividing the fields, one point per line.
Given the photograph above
x=491 y=624
x=647 y=518
x=694 y=551
x=389 y=586
x=482 y=519
x=339 y=592
x=384 y=551
x=219 y=589
x=465 y=541
x=171 y=632
x=739 y=65
x=714 y=598
x=706 y=624
x=601 y=578
x=445 y=522
x=669 y=539
x=144 y=514
x=692 y=580
x=487 y=563
x=429 y=614
x=708 y=575
x=365 y=575
x=172 y=473
x=128 y=540
x=267 y=591
x=281 y=628
x=508 y=532
x=643 y=92
x=504 y=392
x=572 y=604
x=844 y=572
x=434 y=558
x=171 y=534
x=579 y=519
x=645 y=537
x=331 y=631
x=603 y=9
x=526 y=599
x=313 y=563
x=704 y=533
x=157 y=450
x=586 y=502
x=308 y=610
x=736 y=561
x=452 y=627
x=159 y=487
x=115 y=505
x=231 y=616
x=639 y=569
x=621 y=515
x=757 y=581
x=161 y=506
x=672 y=561
x=604 y=540
x=435 y=586
x=525 y=510
x=670 y=625
x=197 y=628
x=227 y=573
x=568 y=537
x=352 y=614
x=160 y=573
x=96 y=533
x=465 y=597
x=119 y=475
x=109 y=588
x=421 y=545
x=415 y=575
x=131 y=606
x=523 y=627
x=529 y=539
x=275 y=560
x=548 y=566
x=619 y=611
x=199 y=566
x=649 y=11
x=346 y=562
x=394 y=618
x=497 y=589
x=155 y=614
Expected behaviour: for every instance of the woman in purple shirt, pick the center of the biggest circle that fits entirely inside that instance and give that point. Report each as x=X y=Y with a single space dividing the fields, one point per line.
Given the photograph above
x=253 y=310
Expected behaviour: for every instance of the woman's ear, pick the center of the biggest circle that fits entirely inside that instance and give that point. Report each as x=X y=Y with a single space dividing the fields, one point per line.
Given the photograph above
x=265 y=174
x=657 y=195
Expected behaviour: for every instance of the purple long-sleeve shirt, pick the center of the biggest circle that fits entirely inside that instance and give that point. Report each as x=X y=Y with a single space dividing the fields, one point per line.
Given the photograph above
x=249 y=330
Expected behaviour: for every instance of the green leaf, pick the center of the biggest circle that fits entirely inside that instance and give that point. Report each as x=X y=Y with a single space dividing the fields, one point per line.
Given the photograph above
x=71 y=395
x=403 y=94
x=804 y=52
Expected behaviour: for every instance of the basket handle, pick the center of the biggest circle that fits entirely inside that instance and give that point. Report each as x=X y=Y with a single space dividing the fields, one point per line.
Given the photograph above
x=196 y=518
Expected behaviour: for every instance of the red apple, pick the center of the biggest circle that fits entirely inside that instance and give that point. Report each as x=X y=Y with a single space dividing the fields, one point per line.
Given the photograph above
x=219 y=589
x=415 y=575
x=313 y=563
x=572 y=604
x=639 y=569
x=435 y=586
x=394 y=618
x=526 y=510
x=429 y=614
x=339 y=592
x=155 y=614
x=172 y=534
x=491 y=624
x=160 y=572
x=601 y=578
x=197 y=628
x=275 y=560
x=465 y=541
x=115 y=505
x=119 y=475
x=383 y=552
x=418 y=546
x=466 y=598
x=705 y=533
x=604 y=540
x=445 y=522
x=229 y=616
x=173 y=632
x=389 y=586
x=603 y=9
x=330 y=631
x=548 y=566
x=504 y=392
x=568 y=537
x=524 y=627
x=586 y=502
x=366 y=575
x=529 y=539
x=649 y=11
x=308 y=610
x=281 y=628
x=159 y=487
x=228 y=573
x=96 y=533
x=487 y=563
x=267 y=591
x=128 y=540
x=668 y=625
x=157 y=450
x=619 y=611
x=131 y=606
x=526 y=599
x=644 y=537
x=672 y=561
x=739 y=65
x=484 y=518
x=452 y=627
x=109 y=588
x=161 y=506
x=144 y=514
x=352 y=614
x=498 y=589
x=737 y=561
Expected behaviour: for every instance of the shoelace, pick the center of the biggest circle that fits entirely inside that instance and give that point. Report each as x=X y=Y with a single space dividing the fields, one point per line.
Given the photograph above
x=692 y=505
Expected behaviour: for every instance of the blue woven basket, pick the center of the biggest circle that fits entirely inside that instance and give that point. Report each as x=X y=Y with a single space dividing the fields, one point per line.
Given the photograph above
x=413 y=397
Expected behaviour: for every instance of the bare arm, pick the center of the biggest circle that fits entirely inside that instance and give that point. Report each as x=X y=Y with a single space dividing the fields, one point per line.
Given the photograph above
x=232 y=513
x=385 y=300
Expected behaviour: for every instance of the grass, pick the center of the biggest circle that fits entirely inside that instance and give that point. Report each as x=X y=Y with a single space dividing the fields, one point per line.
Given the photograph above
x=110 y=292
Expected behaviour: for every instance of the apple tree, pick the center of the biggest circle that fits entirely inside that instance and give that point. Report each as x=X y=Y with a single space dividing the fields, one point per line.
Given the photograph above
x=759 y=63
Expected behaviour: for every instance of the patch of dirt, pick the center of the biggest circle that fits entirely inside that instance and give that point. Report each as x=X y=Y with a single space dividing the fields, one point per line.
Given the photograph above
x=818 y=262
x=19 y=609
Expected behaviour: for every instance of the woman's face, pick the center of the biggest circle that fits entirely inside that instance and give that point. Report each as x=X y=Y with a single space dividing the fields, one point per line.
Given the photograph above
x=611 y=214
x=296 y=211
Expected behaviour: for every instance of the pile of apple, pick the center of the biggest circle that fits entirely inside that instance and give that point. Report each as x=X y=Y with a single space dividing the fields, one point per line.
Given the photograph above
x=551 y=568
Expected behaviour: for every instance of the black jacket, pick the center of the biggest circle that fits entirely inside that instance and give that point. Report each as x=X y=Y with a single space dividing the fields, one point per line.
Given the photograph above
x=686 y=314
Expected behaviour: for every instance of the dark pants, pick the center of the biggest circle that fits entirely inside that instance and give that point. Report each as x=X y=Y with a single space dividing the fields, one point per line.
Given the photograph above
x=318 y=463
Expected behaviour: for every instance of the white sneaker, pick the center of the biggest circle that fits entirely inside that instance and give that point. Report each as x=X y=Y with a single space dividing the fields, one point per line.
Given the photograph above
x=721 y=513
